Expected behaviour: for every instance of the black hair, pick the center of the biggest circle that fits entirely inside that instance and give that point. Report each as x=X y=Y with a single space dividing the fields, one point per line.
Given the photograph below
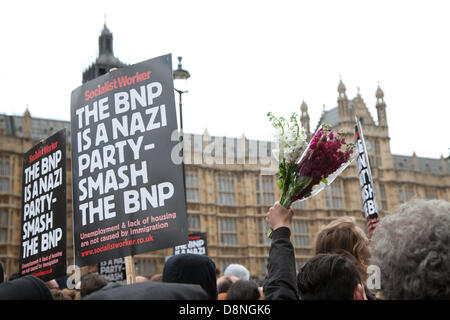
x=330 y=276
x=243 y=290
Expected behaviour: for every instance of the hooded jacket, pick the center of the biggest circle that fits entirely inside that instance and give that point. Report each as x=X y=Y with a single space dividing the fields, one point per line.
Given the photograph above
x=192 y=269
x=25 y=288
x=149 y=291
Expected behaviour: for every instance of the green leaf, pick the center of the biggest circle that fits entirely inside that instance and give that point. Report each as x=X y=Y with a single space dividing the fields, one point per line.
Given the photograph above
x=324 y=180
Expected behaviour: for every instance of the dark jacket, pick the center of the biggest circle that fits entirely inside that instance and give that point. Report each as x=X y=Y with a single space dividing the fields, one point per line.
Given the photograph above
x=149 y=291
x=25 y=288
x=281 y=281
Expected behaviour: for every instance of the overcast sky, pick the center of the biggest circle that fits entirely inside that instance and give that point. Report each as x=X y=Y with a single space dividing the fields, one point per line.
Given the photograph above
x=245 y=58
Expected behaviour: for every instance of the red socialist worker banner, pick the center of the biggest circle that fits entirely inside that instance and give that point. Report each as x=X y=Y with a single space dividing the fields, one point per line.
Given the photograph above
x=128 y=191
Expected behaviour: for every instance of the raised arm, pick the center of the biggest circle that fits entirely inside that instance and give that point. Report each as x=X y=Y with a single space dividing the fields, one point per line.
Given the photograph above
x=281 y=281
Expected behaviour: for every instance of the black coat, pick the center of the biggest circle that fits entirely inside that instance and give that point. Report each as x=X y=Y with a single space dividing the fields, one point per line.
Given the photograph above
x=281 y=282
x=149 y=291
x=25 y=288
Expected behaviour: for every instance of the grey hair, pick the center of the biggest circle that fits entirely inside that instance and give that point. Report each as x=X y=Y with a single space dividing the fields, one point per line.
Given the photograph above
x=412 y=249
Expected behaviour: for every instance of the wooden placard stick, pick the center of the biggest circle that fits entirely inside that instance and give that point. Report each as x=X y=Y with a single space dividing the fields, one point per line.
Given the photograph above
x=130 y=269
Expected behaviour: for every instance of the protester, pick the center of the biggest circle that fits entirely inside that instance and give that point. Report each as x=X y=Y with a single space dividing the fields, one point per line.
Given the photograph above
x=243 y=290
x=344 y=234
x=91 y=282
x=192 y=269
x=411 y=249
x=330 y=276
x=238 y=271
x=25 y=288
x=223 y=284
x=319 y=273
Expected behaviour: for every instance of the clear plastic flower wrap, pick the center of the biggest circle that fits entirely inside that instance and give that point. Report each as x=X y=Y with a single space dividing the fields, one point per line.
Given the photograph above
x=324 y=158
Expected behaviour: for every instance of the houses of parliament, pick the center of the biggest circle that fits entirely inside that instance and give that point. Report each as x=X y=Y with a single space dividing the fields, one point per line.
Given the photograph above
x=229 y=199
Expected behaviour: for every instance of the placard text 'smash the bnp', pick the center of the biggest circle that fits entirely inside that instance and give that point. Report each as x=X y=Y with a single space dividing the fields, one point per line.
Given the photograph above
x=128 y=193
x=43 y=237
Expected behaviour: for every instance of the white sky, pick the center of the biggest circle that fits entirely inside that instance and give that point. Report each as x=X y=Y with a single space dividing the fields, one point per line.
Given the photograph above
x=245 y=58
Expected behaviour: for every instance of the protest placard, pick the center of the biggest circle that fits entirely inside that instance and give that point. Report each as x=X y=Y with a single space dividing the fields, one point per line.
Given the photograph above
x=365 y=181
x=43 y=236
x=113 y=270
x=128 y=193
x=197 y=245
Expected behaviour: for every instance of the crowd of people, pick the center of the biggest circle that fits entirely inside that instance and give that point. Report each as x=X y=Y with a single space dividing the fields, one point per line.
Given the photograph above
x=410 y=247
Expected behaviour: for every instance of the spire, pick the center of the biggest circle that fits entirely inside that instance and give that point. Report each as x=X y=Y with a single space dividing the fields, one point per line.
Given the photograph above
x=26 y=124
x=106 y=59
x=379 y=94
x=344 y=114
x=304 y=117
x=105 y=41
x=341 y=87
x=381 y=107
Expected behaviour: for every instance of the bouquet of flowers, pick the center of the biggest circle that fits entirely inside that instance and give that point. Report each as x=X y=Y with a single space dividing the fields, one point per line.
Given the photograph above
x=304 y=171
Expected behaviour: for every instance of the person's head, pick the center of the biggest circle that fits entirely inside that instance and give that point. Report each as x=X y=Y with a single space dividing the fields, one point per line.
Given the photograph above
x=52 y=284
x=70 y=293
x=91 y=282
x=411 y=249
x=156 y=277
x=237 y=270
x=59 y=295
x=192 y=269
x=243 y=290
x=224 y=283
x=330 y=276
x=139 y=279
x=344 y=234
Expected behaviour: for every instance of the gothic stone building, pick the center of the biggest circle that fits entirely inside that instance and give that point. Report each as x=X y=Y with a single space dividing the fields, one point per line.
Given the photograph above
x=230 y=185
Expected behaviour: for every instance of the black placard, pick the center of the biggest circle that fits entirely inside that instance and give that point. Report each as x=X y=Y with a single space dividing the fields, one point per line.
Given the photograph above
x=114 y=270
x=128 y=191
x=367 y=187
x=197 y=245
x=44 y=217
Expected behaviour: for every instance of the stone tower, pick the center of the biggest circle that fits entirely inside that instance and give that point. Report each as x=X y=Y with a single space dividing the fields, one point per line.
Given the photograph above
x=106 y=59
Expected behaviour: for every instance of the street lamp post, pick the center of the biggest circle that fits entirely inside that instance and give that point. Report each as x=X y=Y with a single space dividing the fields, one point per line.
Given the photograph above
x=181 y=76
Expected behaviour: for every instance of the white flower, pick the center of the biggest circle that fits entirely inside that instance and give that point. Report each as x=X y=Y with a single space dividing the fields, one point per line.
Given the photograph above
x=290 y=138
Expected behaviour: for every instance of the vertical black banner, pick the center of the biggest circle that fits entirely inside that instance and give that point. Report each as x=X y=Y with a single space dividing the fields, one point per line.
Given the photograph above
x=43 y=236
x=365 y=181
x=128 y=192
x=197 y=245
